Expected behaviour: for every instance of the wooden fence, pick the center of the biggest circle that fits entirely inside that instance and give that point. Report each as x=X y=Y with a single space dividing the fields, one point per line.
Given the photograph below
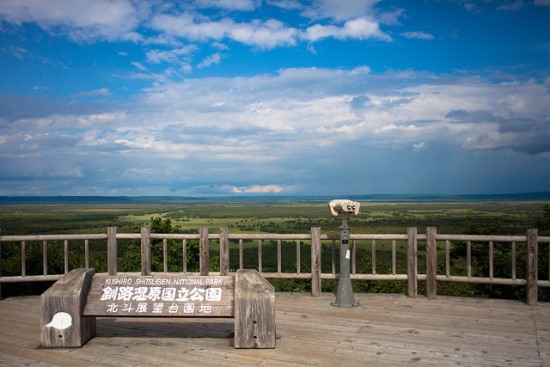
x=434 y=243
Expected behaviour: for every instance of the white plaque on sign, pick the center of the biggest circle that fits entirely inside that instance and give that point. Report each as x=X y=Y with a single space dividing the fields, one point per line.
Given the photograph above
x=166 y=295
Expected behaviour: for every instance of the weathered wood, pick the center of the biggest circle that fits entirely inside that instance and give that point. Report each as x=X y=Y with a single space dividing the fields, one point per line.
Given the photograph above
x=412 y=262
x=491 y=259
x=279 y=256
x=23 y=258
x=241 y=254
x=184 y=254
x=66 y=256
x=112 y=252
x=224 y=251
x=113 y=236
x=373 y=255
x=204 y=249
x=165 y=255
x=62 y=323
x=70 y=306
x=298 y=257
x=145 y=251
x=316 y=261
x=532 y=267
x=353 y=257
x=254 y=311
x=469 y=258
x=45 y=257
x=260 y=255
x=431 y=262
x=53 y=237
x=86 y=253
x=164 y=295
x=393 y=257
x=387 y=330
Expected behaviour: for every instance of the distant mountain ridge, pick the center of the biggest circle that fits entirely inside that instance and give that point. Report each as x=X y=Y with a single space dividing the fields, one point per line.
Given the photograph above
x=531 y=196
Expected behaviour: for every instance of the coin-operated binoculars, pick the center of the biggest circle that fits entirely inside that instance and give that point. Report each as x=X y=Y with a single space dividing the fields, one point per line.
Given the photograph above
x=344 y=295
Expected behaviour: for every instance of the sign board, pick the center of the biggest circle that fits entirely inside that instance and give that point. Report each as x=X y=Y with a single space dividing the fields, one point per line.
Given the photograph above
x=164 y=295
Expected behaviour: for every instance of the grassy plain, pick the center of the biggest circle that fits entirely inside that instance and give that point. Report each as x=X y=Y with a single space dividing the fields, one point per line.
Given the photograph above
x=495 y=217
x=513 y=217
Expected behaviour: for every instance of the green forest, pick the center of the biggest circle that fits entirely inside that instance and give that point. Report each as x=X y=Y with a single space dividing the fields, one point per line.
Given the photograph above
x=476 y=217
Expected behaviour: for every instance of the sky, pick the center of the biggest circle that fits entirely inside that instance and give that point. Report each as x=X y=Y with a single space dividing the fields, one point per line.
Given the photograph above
x=274 y=97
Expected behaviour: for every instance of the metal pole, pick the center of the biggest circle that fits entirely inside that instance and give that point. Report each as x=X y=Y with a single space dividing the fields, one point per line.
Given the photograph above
x=344 y=294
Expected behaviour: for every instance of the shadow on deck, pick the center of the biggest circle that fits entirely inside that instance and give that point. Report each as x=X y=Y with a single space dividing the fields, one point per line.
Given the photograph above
x=386 y=330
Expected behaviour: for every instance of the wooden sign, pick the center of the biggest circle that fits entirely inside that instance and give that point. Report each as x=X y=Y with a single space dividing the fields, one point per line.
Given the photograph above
x=165 y=295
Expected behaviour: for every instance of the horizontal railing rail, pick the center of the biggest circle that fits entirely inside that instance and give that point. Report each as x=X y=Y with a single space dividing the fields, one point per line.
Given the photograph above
x=438 y=251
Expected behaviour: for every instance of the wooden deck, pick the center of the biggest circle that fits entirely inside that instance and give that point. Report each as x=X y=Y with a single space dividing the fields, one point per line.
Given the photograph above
x=386 y=330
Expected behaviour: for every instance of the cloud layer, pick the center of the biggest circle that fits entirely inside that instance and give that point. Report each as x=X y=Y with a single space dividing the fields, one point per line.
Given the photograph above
x=292 y=130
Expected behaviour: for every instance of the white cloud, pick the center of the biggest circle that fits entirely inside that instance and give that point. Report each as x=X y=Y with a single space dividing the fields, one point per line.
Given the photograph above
x=419 y=146
x=280 y=128
x=359 y=28
x=513 y=6
x=340 y=10
x=82 y=20
x=264 y=34
x=418 y=35
x=185 y=25
x=210 y=60
x=92 y=93
x=139 y=65
x=257 y=189
x=171 y=56
x=286 y=4
x=85 y=21
x=243 y=5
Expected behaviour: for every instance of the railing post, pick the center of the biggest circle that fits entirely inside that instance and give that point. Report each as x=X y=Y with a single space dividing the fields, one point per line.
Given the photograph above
x=224 y=251
x=145 y=250
x=0 y=265
x=532 y=267
x=431 y=262
x=204 y=251
x=412 y=262
x=316 y=261
x=111 y=251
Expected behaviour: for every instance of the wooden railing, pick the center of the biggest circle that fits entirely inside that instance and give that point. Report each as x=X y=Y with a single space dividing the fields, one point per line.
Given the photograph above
x=433 y=242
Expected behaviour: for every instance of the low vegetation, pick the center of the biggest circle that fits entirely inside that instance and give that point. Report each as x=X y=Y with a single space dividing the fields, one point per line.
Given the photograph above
x=506 y=218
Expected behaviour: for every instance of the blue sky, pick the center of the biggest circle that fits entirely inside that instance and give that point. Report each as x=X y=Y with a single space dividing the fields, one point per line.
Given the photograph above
x=283 y=97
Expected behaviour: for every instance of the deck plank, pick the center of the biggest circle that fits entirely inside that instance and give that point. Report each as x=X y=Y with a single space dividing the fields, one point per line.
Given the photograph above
x=384 y=330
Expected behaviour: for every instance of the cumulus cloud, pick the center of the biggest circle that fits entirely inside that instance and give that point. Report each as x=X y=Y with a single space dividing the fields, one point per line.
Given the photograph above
x=85 y=21
x=340 y=10
x=359 y=28
x=264 y=34
x=274 y=126
x=81 y=20
x=281 y=126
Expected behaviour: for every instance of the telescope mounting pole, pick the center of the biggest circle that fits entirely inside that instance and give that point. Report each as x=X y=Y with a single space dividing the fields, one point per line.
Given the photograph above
x=344 y=295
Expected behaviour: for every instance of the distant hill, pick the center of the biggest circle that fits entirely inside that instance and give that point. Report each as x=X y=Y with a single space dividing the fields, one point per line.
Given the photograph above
x=532 y=196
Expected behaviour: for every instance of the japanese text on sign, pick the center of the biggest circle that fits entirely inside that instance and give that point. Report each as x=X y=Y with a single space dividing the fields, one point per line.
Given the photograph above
x=129 y=298
x=166 y=295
